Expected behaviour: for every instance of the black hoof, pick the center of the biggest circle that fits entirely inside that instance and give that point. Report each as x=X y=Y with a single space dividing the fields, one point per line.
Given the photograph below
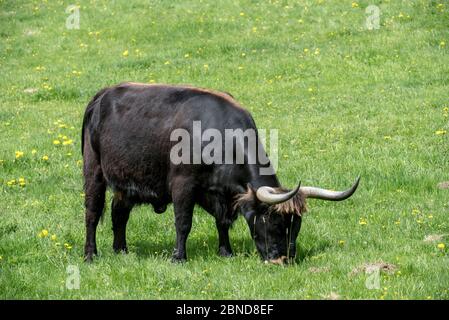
x=178 y=260
x=224 y=253
x=122 y=250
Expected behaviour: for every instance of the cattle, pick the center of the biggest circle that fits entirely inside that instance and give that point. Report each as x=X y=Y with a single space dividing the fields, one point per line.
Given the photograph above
x=127 y=145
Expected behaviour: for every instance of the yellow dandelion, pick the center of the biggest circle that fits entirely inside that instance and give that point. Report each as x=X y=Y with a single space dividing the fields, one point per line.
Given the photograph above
x=355 y=5
x=43 y=233
x=242 y=14
x=363 y=222
x=67 y=246
x=53 y=237
x=167 y=62
x=441 y=246
x=442 y=44
x=206 y=66
x=11 y=182
x=19 y=154
x=22 y=182
x=440 y=132
x=56 y=142
x=306 y=50
x=67 y=142
x=341 y=242
x=34 y=151
x=387 y=137
x=125 y=53
x=45 y=158
x=186 y=55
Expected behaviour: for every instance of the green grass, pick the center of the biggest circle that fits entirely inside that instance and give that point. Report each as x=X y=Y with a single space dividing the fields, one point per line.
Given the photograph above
x=346 y=101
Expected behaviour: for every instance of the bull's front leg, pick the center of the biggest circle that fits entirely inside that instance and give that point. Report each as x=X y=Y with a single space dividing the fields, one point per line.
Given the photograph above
x=183 y=202
x=224 y=246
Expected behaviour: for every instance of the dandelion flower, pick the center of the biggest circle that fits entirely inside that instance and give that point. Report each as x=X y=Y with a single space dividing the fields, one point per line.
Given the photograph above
x=22 y=182
x=53 y=237
x=19 y=154
x=125 y=53
x=56 y=142
x=67 y=246
x=441 y=246
x=341 y=242
x=67 y=142
x=43 y=233
x=45 y=158
x=355 y=5
x=363 y=222
x=440 y=132
x=34 y=151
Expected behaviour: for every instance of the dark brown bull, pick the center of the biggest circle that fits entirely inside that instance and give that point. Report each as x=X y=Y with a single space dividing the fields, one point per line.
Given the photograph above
x=126 y=145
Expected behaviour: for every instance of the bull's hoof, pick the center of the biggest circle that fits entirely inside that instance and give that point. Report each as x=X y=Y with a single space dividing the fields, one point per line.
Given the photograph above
x=223 y=252
x=160 y=209
x=178 y=260
x=122 y=250
x=89 y=258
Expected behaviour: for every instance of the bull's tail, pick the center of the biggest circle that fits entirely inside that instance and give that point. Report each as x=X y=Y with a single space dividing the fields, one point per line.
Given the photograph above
x=88 y=114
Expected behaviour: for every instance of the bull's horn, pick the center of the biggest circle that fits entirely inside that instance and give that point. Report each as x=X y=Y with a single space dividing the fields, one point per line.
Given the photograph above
x=318 y=193
x=269 y=195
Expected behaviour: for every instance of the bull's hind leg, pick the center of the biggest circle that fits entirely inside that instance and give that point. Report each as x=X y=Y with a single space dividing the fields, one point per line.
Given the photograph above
x=121 y=207
x=183 y=202
x=94 y=189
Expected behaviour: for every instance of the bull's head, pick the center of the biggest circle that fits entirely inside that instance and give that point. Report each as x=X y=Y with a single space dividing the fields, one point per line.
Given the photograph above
x=274 y=216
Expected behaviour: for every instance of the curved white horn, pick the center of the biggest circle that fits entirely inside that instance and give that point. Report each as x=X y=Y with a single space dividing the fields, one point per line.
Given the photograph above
x=268 y=195
x=324 y=194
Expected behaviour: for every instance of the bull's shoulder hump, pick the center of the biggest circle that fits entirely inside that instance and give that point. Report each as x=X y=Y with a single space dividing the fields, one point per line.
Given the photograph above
x=173 y=89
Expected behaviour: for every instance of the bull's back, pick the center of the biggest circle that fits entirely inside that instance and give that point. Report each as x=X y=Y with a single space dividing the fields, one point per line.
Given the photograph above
x=133 y=123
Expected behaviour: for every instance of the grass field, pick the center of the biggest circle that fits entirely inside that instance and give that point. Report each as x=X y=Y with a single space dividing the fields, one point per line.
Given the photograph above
x=346 y=101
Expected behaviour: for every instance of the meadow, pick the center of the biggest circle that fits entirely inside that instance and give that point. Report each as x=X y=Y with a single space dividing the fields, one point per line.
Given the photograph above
x=346 y=100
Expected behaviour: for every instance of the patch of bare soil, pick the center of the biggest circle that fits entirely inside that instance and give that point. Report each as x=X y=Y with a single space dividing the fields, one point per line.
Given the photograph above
x=443 y=185
x=319 y=270
x=434 y=237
